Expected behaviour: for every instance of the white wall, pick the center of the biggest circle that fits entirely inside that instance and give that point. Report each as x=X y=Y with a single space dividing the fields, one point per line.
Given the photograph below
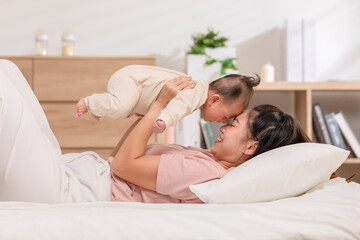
x=164 y=28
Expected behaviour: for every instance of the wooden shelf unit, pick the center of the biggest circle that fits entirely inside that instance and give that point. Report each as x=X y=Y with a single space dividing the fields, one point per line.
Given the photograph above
x=304 y=99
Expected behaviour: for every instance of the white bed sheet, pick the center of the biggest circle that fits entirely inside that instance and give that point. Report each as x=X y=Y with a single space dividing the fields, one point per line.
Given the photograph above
x=330 y=211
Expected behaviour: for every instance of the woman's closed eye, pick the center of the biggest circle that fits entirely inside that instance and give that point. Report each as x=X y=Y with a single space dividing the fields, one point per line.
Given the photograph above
x=231 y=124
x=235 y=121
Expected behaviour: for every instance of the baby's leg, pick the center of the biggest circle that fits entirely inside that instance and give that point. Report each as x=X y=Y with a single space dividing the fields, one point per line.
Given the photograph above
x=120 y=100
x=30 y=169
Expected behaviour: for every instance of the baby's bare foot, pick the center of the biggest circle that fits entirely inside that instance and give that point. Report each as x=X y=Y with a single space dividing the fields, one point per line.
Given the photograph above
x=80 y=108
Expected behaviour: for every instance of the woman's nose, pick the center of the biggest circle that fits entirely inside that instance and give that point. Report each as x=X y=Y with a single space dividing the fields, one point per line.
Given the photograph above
x=222 y=128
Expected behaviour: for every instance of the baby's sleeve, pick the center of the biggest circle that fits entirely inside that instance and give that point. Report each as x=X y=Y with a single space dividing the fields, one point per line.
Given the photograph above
x=184 y=103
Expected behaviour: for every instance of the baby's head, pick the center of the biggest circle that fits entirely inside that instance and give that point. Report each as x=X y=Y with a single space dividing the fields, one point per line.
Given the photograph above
x=228 y=96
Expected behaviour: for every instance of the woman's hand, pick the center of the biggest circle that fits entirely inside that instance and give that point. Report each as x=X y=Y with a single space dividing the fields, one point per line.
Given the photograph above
x=173 y=87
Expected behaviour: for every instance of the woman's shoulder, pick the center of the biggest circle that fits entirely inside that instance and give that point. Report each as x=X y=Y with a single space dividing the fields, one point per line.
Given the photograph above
x=160 y=148
x=195 y=152
x=191 y=161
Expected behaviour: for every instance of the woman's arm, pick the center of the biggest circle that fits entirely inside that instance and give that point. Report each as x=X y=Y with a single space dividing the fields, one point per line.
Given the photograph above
x=122 y=140
x=130 y=163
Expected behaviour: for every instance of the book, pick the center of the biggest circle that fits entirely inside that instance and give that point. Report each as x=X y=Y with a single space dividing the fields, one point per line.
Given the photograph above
x=187 y=130
x=293 y=50
x=334 y=131
x=348 y=133
x=309 y=49
x=320 y=128
x=207 y=133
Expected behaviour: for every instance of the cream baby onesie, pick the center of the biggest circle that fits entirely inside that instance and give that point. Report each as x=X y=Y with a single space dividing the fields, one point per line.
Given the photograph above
x=132 y=90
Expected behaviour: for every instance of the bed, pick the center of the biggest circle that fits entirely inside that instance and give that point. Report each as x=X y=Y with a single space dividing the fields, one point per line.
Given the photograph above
x=281 y=194
x=329 y=211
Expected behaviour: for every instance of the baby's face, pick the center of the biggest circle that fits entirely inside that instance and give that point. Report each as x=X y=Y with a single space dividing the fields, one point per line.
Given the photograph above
x=221 y=112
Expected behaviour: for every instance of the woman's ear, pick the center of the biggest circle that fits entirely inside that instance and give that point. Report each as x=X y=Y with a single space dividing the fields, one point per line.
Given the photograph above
x=251 y=147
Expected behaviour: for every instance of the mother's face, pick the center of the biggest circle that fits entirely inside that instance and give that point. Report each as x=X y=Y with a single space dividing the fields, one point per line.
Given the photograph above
x=233 y=145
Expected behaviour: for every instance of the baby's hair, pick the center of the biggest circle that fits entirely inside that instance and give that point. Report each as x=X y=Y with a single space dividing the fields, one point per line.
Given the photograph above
x=232 y=86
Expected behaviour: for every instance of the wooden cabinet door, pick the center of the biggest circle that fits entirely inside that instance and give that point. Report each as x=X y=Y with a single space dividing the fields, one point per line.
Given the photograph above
x=69 y=79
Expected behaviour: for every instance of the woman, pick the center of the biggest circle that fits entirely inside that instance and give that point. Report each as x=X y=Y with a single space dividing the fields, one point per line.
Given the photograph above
x=162 y=173
x=33 y=169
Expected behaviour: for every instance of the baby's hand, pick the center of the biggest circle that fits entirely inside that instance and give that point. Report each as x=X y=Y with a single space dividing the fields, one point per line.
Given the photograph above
x=159 y=126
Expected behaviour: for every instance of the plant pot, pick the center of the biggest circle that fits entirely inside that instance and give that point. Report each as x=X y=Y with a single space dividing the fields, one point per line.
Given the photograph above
x=221 y=53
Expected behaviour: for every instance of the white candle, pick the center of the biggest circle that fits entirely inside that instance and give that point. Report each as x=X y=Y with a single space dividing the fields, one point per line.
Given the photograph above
x=268 y=73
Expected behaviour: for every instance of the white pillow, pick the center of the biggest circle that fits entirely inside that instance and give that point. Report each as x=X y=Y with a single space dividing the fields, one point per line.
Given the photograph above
x=283 y=172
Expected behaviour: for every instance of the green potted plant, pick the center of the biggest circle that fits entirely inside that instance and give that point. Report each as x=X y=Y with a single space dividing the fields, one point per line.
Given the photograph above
x=211 y=39
x=209 y=57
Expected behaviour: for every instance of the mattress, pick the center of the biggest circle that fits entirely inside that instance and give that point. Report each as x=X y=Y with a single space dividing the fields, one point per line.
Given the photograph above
x=329 y=211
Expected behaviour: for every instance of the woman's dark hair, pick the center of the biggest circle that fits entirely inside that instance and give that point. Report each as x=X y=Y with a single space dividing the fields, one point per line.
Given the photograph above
x=232 y=86
x=273 y=128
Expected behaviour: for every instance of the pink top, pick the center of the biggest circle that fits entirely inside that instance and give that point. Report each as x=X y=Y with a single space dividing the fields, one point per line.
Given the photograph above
x=179 y=167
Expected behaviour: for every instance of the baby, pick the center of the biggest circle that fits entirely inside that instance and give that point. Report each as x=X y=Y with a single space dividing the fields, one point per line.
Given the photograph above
x=132 y=90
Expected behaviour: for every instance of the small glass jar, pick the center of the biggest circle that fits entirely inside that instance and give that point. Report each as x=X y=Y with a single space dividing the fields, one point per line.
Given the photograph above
x=41 y=42
x=68 y=43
